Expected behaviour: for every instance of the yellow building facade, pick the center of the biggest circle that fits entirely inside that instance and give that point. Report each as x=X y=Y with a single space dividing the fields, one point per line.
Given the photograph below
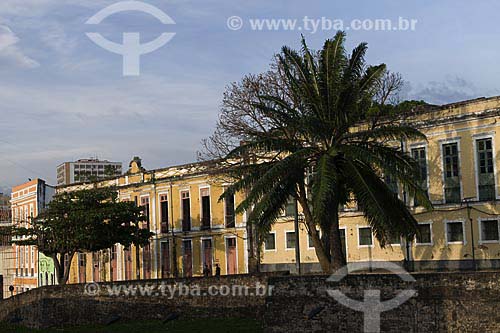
x=458 y=165
x=193 y=231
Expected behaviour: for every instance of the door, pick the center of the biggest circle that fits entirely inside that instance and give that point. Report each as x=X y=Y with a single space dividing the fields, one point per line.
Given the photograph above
x=127 y=257
x=205 y=208
x=81 y=269
x=207 y=255
x=114 y=264
x=231 y=255
x=344 y=244
x=186 y=211
x=146 y=259
x=165 y=259
x=95 y=266
x=187 y=258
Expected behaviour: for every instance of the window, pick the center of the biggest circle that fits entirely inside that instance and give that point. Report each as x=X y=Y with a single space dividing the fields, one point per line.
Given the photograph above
x=310 y=240
x=420 y=157
x=395 y=239
x=451 y=173
x=205 y=208
x=489 y=231
x=424 y=235
x=186 y=211
x=455 y=232
x=290 y=208
x=82 y=259
x=66 y=260
x=365 y=236
x=391 y=183
x=145 y=204
x=270 y=242
x=290 y=239
x=485 y=173
x=229 y=213
x=164 y=213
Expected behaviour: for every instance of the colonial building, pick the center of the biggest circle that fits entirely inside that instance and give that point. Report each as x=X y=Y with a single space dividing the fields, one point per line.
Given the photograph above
x=27 y=200
x=6 y=253
x=193 y=230
x=459 y=168
x=87 y=169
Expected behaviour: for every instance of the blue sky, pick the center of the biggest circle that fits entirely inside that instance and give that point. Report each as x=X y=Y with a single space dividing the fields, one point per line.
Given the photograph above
x=63 y=97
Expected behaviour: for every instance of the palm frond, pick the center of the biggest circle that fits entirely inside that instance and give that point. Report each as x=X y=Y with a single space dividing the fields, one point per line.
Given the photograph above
x=383 y=210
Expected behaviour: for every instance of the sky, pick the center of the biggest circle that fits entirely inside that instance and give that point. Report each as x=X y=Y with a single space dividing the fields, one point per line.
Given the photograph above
x=62 y=97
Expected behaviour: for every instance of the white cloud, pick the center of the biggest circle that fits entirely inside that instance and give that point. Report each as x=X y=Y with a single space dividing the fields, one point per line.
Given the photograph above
x=33 y=8
x=55 y=37
x=13 y=7
x=146 y=116
x=10 y=52
x=144 y=96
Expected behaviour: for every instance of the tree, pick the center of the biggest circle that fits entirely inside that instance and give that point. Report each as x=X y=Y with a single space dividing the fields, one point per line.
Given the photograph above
x=316 y=134
x=83 y=221
x=109 y=171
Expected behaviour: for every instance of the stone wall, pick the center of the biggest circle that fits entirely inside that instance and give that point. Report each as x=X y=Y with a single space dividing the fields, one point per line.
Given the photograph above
x=445 y=302
x=58 y=306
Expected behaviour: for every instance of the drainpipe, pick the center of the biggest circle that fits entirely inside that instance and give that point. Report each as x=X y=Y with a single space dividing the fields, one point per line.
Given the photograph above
x=408 y=240
x=467 y=202
x=297 y=244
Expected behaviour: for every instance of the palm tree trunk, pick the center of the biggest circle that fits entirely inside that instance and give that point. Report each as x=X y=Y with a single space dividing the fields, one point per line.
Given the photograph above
x=336 y=251
x=322 y=255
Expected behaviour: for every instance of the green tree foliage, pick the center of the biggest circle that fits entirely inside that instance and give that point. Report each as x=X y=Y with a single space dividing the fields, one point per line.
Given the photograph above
x=83 y=221
x=317 y=139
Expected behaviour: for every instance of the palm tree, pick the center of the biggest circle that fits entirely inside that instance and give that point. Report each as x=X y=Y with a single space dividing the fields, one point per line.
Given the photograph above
x=321 y=150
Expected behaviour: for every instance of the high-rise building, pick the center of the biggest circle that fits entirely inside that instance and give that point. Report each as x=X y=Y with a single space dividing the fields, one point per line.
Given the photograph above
x=30 y=268
x=87 y=170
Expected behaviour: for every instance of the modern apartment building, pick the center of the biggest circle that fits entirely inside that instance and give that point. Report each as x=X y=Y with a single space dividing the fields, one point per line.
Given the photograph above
x=87 y=170
x=192 y=228
x=459 y=168
x=27 y=200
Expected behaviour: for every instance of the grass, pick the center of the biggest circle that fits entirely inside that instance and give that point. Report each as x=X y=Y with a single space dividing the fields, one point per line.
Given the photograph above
x=180 y=325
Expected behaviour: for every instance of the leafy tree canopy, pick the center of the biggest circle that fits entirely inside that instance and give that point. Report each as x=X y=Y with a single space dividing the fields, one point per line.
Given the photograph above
x=83 y=221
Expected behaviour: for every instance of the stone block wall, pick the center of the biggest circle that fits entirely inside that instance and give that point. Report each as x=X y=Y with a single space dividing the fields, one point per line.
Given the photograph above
x=444 y=302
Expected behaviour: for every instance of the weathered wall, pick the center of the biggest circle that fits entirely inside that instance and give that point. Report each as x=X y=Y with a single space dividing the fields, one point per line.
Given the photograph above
x=56 y=306
x=446 y=302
